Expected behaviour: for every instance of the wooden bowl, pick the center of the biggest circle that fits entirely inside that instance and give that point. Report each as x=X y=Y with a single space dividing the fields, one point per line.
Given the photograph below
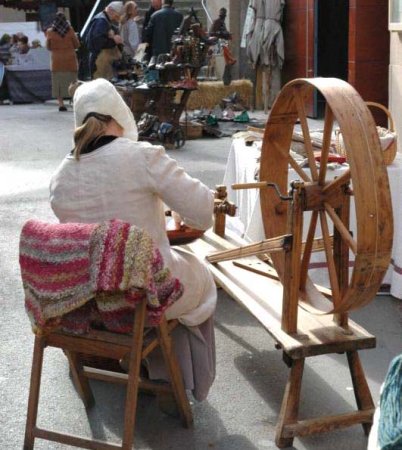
x=183 y=236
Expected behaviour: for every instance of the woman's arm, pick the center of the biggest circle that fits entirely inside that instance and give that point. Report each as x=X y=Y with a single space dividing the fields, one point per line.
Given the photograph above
x=186 y=195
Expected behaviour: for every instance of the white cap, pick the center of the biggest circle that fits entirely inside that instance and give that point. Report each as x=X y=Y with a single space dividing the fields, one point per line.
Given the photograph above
x=117 y=7
x=100 y=96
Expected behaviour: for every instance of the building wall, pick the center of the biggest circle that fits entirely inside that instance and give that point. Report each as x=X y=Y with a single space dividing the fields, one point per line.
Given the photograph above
x=11 y=15
x=395 y=83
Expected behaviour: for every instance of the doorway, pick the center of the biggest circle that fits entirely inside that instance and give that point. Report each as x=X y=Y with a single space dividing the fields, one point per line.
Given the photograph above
x=330 y=43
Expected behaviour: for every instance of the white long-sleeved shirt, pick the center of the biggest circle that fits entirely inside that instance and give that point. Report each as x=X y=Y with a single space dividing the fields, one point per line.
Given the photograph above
x=133 y=181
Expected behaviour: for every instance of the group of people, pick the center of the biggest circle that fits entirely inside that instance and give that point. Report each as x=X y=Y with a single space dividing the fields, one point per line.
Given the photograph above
x=16 y=44
x=118 y=28
x=114 y=30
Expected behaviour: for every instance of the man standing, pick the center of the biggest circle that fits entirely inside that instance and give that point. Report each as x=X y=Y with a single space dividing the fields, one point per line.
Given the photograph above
x=155 y=6
x=161 y=27
x=103 y=33
x=218 y=27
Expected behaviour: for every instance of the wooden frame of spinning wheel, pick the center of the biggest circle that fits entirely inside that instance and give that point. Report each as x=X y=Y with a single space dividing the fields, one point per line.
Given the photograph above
x=281 y=296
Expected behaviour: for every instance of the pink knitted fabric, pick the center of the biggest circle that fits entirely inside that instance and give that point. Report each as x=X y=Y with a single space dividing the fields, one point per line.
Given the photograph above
x=64 y=266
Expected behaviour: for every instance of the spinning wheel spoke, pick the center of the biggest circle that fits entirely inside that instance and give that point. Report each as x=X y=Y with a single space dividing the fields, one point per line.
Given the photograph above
x=308 y=249
x=337 y=182
x=328 y=124
x=330 y=258
x=343 y=231
x=306 y=134
x=302 y=174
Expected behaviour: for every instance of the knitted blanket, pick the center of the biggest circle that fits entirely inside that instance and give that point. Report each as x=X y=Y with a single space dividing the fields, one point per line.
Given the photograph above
x=74 y=273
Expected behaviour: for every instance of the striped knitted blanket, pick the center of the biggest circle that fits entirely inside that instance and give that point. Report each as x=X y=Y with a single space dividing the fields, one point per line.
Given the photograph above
x=75 y=273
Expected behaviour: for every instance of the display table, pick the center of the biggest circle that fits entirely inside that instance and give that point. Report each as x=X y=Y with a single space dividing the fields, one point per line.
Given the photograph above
x=241 y=166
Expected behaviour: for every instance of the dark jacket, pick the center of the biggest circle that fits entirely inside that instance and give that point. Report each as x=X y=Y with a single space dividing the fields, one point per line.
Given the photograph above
x=147 y=18
x=97 y=38
x=161 y=27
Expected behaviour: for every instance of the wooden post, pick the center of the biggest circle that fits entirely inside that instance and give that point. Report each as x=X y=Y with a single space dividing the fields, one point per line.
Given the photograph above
x=341 y=257
x=291 y=282
x=220 y=216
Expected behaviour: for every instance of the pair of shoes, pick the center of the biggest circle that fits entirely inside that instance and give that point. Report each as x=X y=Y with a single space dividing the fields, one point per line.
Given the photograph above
x=62 y=108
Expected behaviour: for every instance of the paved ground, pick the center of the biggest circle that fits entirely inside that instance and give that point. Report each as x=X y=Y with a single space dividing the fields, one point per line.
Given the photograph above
x=242 y=408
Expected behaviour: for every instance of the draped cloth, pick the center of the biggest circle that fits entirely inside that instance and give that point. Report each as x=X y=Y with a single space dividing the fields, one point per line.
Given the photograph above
x=265 y=44
x=72 y=271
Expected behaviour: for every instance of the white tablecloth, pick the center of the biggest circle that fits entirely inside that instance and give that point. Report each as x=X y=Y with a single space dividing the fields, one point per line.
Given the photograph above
x=241 y=167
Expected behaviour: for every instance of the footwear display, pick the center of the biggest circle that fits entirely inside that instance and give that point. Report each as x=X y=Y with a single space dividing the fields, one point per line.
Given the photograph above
x=242 y=117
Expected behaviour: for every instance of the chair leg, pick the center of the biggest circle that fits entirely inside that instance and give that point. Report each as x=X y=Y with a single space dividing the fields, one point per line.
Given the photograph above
x=134 y=377
x=360 y=387
x=174 y=371
x=290 y=404
x=81 y=382
x=34 y=389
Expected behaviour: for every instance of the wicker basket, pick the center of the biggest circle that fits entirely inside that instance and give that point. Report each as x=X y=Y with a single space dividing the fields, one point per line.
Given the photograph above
x=192 y=130
x=389 y=153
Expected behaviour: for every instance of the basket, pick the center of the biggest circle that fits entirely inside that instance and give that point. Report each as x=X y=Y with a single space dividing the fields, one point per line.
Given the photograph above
x=192 y=130
x=389 y=153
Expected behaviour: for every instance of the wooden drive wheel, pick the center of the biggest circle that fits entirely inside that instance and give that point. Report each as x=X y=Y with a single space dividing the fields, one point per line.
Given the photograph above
x=327 y=201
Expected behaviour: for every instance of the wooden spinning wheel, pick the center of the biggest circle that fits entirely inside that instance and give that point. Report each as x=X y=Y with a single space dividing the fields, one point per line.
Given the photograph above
x=293 y=215
x=328 y=201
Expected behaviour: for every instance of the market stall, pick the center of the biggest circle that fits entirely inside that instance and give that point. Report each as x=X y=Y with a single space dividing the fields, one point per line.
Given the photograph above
x=29 y=78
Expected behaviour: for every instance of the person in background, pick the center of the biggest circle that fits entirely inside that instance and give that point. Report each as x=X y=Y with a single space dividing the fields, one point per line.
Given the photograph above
x=62 y=41
x=218 y=27
x=36 y=44
x=14 y=45
x=162 y=25
x=154 y=6
x=23 y=46
x=5 y=45
x=129 y=28
x=111 y=175
x=103 y=34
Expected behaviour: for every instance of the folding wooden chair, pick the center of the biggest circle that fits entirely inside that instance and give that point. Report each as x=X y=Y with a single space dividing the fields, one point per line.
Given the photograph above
x=107 y=345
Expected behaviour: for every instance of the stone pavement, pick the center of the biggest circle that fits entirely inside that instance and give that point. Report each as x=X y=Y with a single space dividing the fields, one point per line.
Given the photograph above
x=242 y=408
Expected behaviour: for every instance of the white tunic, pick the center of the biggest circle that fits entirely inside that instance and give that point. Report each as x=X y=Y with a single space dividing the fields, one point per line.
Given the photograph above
x=132 y=181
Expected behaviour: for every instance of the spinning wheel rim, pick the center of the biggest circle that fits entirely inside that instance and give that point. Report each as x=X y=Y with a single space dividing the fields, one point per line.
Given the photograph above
x=367 y=173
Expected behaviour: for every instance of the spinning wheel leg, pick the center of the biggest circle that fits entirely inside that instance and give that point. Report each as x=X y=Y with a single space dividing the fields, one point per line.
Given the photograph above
x=290 y=404
x=362 y=392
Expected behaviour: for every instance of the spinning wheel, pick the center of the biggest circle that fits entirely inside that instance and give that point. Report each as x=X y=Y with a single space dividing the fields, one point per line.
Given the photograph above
x=291 y=223
x=328 y=201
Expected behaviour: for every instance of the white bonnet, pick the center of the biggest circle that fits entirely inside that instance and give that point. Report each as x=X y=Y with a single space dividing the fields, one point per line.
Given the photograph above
x=101 y=96
x=118 y=7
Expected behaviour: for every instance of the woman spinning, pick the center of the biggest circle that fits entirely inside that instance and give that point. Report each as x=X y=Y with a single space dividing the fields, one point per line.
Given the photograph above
x=110 y=175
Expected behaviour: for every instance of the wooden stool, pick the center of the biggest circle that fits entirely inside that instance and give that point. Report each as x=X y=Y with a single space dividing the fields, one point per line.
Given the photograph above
x=107 y=345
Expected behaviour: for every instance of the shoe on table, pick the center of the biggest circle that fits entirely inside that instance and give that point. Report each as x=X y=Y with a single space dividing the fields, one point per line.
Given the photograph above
x=242 y=117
